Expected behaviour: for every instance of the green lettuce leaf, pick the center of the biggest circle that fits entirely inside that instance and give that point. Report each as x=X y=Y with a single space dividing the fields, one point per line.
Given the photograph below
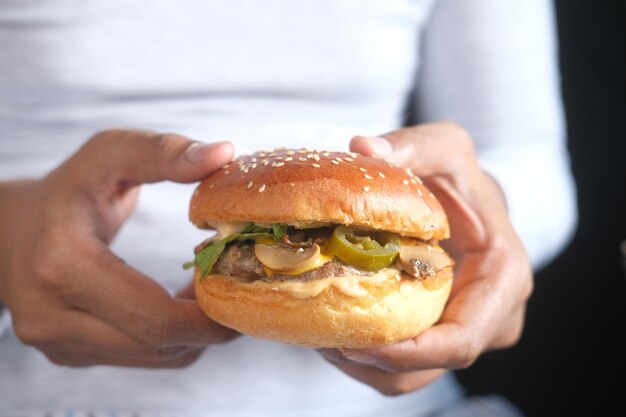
x=206 y=258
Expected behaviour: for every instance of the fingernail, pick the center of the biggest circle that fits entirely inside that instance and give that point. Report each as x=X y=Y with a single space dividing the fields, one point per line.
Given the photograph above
x=380 y=146
x=360 y=357
x=197 y=151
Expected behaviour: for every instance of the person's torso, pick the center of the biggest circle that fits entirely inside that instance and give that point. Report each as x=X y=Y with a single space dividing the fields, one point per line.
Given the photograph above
x=261 y=74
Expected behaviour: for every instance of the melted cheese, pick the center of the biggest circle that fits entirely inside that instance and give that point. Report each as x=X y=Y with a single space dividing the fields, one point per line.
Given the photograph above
x=348 y=285
x=319 y=261
x=227 y=228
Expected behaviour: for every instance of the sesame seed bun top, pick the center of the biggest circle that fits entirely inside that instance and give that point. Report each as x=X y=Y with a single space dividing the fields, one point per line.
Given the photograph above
x=306 y=188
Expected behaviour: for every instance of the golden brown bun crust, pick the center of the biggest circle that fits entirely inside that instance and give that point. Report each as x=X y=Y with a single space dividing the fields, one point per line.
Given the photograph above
x=289 y=186
x=393 y=310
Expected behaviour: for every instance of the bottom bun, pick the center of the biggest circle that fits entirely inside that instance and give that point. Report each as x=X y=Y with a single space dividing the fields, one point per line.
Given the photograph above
x=390 y=310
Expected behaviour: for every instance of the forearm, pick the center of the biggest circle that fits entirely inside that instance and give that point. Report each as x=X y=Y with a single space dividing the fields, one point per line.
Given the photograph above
x=540 y=195
x=487 y=71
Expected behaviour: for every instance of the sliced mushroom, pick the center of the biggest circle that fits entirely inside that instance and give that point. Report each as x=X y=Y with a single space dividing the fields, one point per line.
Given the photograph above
x=423 y=261
x=293 y=242
x=284 y=259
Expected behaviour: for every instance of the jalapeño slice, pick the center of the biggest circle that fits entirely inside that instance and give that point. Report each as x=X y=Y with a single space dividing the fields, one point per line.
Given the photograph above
x=368 y=250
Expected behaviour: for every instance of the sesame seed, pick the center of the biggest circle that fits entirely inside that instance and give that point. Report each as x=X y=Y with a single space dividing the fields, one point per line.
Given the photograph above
x=302 y=151
x=290 y=153
x=326 y=154
x=381 y=175
x=253 y=160
x=363 y=169
x=277 y=164
x=352 y=154
x=225 y=166
x=408 y=171
x=339 y=159
x=262 y=154
x=279 y=158
x=315 y=165
x=245 y=171
x=368 y=177
x=431 y=195
x=347 y=158
x=405 y=182
x=210 y=186
x=302 y=159
x=288 y=159
x=262 y=188
x=226 y=172
x=366 y=189
x=253 y=165
x=418 y=179
x=334 y=162
x=273 y=154
x=250 y=183
x=265 y=162
x=419 y=192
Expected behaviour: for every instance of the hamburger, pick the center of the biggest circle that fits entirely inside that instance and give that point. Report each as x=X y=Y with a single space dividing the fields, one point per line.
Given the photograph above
x=322 y=249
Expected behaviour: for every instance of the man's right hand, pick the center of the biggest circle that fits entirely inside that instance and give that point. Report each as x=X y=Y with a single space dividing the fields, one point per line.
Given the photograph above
x=69 y=295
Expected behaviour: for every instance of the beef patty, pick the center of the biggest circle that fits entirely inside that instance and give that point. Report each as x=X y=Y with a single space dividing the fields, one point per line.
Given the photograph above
x=239 y=260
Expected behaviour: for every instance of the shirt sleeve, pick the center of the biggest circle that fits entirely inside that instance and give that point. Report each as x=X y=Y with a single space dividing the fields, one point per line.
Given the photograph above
x=492 y=67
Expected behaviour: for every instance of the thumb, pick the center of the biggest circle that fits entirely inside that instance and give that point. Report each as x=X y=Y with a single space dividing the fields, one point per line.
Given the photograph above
x=440 y=148
x=443 y=154
x=133 y=157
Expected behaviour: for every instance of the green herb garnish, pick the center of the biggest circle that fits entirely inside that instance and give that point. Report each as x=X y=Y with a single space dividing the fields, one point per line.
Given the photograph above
x=206 y=258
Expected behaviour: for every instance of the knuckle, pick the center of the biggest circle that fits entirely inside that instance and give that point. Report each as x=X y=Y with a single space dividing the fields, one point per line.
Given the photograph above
x=155 y=333
x=44 y=264
x=511 y=337
x=458 y=132
x=513 y=334
x=101 y=139
x=169 y=143
x=466 y=356
x=30 y=333
x=50 y=258
x=461 y=137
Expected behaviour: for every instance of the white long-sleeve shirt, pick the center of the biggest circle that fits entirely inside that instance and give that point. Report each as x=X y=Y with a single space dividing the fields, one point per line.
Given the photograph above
x=263 y=74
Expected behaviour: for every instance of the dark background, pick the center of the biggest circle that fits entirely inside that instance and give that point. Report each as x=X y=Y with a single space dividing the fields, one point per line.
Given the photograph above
x=571 y=360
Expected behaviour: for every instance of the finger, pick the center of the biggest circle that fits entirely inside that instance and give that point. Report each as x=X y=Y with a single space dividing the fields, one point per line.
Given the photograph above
x=386 y=382
x=87 y=339
x=187 y=292
x=477 y=310
x=143 y=309
x=135 y=157
x=428 y=149
x=67 y=357
x=444 y=155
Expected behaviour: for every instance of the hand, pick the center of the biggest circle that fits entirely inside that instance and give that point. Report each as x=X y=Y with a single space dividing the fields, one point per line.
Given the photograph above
x=71 y=297
x=493 y=277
